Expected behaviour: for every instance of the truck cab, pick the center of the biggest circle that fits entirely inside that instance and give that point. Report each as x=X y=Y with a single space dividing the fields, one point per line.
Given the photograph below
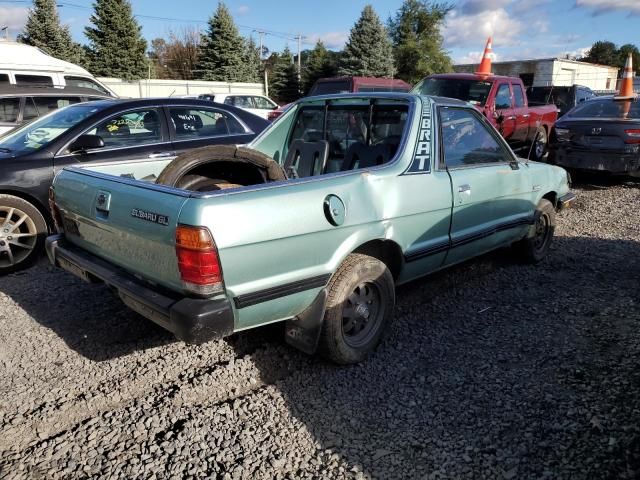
x=503 y=101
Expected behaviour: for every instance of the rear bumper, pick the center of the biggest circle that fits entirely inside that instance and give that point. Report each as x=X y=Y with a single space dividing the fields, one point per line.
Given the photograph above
x=617 y=163
x=192 y=320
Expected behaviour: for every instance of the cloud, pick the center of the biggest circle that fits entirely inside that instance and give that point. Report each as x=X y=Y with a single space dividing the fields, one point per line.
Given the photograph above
x=474 y=58
x=462 y=30
x=473 y=7
x=330 y=39
x=606 y=6
x=243 y=9
x=14 y=18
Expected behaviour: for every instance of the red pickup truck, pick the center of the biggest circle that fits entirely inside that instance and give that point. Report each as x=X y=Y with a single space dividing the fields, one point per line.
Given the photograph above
x=504 y=102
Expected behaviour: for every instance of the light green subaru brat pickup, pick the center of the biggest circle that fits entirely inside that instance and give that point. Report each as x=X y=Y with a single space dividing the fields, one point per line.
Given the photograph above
x=314 y=223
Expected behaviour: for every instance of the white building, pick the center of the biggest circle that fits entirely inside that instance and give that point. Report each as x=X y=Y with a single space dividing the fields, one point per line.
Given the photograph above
x=554 y=71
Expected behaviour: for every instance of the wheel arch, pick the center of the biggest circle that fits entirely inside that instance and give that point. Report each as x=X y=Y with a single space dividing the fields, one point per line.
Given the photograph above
x=33 y=200
x=387 y=251
x=552 y=197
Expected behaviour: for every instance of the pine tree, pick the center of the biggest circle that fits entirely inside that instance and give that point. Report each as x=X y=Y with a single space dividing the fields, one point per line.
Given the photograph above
x=116 y=47
x=222 y=50
x=368 y=52
x=43 y=30
x=320 y=63
x=284 y=85
x=253 y=65
x=417 y=42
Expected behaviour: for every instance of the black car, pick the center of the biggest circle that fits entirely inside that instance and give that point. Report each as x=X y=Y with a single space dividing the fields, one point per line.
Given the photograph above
x=565 y=98
x=602 y=135
x=19 y=105
x=104 y=131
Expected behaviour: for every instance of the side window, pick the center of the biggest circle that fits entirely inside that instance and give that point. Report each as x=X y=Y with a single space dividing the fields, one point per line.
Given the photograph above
x=9 y=108
x=263 y=104
x=130 y=129
x=4 y=79
x=194 y=123
x=467 y=141
x=518 y=96
x=30 y=111
x=230 y=101
x=503 y=97
x=34 y=80
x=83 y=82
x=49 y=104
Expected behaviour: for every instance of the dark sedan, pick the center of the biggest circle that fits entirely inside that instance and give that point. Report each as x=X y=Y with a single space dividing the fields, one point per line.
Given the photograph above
x=602 y=134
x=104 y=131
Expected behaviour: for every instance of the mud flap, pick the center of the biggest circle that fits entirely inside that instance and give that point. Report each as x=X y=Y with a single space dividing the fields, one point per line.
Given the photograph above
x=303 y=331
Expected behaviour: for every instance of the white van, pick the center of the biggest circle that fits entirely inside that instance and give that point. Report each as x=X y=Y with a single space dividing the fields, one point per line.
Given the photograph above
x=24 y=65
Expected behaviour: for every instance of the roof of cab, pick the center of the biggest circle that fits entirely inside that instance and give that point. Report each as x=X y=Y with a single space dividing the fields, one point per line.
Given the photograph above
x=473 y=76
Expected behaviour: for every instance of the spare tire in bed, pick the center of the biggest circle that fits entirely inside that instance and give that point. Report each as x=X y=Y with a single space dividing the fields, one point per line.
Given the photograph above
x=219 y=167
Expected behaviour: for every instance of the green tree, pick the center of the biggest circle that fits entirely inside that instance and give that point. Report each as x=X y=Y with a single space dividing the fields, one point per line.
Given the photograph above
x=284 y=84
x=368 y=52
x=623 y=54
x=319 y=63
x=43 y=30
x=604 y=53
x=417 y=42
x=223 y=52
x=253 y=65
x=116 y=47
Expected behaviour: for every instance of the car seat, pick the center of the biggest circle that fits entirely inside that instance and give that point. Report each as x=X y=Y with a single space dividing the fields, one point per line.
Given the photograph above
x=360 y=155
x=151 y=122
x=305 y=159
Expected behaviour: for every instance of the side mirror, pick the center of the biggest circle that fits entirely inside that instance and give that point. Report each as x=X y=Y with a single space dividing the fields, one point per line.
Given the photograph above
x=86 y=142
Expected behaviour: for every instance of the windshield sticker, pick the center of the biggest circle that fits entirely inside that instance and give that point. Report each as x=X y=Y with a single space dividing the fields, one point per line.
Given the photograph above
x=150 y=216
x=422 y=155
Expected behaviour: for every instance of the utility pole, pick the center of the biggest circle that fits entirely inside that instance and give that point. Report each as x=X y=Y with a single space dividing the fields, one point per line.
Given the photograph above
x=299 y=37
x=261 y=33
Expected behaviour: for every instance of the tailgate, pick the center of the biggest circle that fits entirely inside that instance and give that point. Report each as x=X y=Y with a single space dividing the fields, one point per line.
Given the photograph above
x=126 y=222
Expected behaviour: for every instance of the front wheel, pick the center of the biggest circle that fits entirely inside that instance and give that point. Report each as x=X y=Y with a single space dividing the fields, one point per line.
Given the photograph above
x=360 y=303
x=535 y=246
x=22 y=233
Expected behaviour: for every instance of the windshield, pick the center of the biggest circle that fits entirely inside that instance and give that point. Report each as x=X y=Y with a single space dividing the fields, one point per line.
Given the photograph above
x=325 y=88
x=472 y=91
x=39 y=133
x=607 y=108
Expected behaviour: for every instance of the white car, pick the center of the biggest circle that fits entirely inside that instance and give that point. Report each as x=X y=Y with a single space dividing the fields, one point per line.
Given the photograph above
x=256 y=104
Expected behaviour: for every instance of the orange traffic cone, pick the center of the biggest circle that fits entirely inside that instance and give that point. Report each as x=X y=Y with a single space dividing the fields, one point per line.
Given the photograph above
x=626 y=87
x=485 y=63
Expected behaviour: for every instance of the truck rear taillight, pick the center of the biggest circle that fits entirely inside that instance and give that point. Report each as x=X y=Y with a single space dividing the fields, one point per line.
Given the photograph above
x=198 y=260
x=55 y=211
x=633 y=134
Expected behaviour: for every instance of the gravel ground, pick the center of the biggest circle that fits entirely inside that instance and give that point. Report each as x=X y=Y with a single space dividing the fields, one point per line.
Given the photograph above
x=492 y=370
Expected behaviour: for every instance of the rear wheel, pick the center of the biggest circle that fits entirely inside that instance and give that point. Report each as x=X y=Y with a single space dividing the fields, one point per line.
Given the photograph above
x=539 y=147
x=535 y=246
x=360 y=303
x=22 y=233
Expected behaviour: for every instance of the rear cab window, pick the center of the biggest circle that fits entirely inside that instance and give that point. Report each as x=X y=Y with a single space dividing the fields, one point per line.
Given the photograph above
x=518 y=95
x=346 y=135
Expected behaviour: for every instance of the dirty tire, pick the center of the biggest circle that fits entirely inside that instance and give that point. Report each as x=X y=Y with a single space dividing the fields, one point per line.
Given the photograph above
x=539 y=149
x=23 y=230
x=200 y=183
x=534 y=247
x=184 y=164
x=360 y=304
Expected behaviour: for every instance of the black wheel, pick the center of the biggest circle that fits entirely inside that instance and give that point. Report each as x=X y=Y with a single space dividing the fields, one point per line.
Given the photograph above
x=539 y=148
x=200 y=183
x=23 y=230
x=534 y=247
x=360 y=302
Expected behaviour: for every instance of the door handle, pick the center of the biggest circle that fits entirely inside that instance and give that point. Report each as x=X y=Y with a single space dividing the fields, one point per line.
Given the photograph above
x=526 y=115
x=161 y=155
x=511 y=117
x=466 y=188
